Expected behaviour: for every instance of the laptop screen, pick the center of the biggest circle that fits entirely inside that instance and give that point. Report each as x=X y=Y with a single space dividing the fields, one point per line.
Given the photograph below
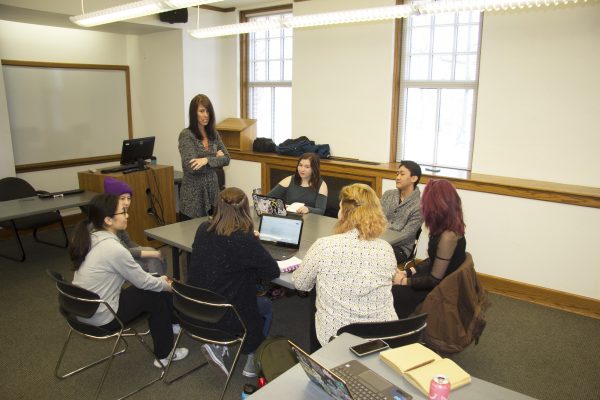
x=334 y=386
x=281 y=230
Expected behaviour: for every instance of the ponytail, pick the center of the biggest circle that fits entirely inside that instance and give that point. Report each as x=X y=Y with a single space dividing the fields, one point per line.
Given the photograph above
x=101 y=206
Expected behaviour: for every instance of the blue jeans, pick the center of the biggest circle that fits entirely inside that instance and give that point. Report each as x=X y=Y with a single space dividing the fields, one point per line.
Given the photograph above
x=265 y=310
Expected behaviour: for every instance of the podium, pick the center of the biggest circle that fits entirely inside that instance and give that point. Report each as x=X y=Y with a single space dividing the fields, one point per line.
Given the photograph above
x=152 y=200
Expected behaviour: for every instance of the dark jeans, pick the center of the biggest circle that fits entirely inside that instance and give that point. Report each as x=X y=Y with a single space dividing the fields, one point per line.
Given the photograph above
x=265 y=310
x=159 y=305
x=406 y=299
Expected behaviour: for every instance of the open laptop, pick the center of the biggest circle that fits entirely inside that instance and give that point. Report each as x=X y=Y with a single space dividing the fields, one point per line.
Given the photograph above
x=280 y=235
x=350 y=381
x=268 y=205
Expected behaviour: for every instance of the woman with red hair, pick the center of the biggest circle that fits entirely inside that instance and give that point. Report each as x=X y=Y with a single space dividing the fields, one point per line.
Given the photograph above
x=443 y=216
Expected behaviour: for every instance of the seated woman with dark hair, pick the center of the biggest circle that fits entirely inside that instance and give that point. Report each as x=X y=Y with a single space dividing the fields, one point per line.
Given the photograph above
x=227 y=258
x=442 y=212
x=353 y=269
x=305 y=186
x=102 y=265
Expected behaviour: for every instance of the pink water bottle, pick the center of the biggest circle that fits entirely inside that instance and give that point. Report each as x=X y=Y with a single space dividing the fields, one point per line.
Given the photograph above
x=439 y=388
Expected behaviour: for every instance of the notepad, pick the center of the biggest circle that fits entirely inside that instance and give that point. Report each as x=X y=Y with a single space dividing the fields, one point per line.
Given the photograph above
x=289 y=265
x=418 y=365
x=294 y=207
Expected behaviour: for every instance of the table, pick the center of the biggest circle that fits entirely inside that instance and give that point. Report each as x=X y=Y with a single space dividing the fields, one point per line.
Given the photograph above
x=181 y=237
x=295 y=385
x=28 y=206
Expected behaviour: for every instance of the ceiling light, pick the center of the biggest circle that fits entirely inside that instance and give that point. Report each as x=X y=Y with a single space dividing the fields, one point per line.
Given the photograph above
x=133 y=10
x=350 y=16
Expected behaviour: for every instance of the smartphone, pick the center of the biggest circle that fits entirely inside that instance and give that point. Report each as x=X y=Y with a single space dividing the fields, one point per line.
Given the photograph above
x=369 y=347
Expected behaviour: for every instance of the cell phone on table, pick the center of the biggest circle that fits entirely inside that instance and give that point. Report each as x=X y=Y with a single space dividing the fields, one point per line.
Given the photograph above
x=369 y=347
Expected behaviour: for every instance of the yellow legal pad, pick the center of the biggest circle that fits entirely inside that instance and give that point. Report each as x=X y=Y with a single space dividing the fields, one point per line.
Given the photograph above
x=418 y=365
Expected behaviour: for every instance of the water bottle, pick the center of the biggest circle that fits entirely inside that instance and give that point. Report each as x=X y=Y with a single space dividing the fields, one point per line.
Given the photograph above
x=248 y=390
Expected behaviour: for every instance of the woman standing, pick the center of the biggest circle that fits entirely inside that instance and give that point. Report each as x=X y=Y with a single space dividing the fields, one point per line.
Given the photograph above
x=227 y=258
x=102 y=265
x=353 y=269
x=201 y=150
x=305 y=186
x=442 y=212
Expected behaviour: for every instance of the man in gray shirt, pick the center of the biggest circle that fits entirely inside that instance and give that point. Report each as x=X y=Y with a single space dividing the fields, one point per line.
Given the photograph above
x=402 y=208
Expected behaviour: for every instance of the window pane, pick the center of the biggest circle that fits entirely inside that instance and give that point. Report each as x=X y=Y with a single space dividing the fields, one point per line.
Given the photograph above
x=444 y=19
x=288 y=47
x=274 y=49
x=443 y=39
x=442 y=67
x=468 y=38
x=419 y=67
x=283 y=114
x=275 y=70
x=259 y=50
x=287 y=70
x=260 y=71
x=466 y=67
x=454 y=143
x=421 y=20
x=419 y=129
x=260 y=109
x=420 y=40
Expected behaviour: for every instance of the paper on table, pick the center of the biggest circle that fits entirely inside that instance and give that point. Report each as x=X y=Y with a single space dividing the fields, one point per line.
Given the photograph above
x=289 y=265
x=293 y=207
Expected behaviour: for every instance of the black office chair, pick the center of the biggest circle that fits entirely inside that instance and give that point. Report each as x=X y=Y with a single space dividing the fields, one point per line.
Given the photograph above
x=16 y=188
x=76 y=302
x=395 y=333
x=199 y=312
x=413 y=254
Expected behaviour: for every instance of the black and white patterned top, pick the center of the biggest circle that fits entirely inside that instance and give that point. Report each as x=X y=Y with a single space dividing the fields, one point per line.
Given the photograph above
x=199 y=189
x=353 y=279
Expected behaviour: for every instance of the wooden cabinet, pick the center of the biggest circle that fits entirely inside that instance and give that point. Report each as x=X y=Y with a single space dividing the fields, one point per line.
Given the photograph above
x=237 y=133
x=152 y=200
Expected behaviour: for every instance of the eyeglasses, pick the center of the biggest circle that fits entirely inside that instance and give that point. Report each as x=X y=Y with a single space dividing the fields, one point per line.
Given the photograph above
x=124 y=212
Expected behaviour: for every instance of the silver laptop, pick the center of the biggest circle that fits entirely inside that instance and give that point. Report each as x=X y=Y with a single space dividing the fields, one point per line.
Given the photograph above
x=280 y=234
x=350 y=381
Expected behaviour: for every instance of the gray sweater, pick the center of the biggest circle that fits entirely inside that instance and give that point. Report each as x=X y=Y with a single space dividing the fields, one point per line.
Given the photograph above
x=403 y=217
x=104 y=271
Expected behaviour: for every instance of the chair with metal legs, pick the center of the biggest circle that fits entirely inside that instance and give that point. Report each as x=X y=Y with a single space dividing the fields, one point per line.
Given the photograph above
x=199 y=312
x=76 y=302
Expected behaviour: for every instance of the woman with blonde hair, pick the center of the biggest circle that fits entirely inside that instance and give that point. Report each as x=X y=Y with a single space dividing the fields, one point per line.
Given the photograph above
x=352 y=269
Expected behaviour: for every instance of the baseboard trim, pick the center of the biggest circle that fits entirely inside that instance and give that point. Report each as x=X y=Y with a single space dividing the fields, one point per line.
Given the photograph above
x=581 y=305
x=68 y=220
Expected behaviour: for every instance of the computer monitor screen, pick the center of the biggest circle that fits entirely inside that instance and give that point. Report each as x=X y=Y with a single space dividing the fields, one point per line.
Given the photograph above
x=137 y=149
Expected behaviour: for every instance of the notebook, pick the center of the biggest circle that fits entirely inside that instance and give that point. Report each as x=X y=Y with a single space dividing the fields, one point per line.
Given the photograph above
x=280 y=235
x=418 y=365
x=350 y=381
x=268 y=205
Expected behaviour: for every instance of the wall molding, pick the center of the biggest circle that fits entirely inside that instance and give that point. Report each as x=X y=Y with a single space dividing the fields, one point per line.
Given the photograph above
x=581 y=305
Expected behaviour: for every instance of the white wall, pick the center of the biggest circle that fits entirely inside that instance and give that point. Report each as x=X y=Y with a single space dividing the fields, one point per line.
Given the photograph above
x=539 y=95
x=342 y=83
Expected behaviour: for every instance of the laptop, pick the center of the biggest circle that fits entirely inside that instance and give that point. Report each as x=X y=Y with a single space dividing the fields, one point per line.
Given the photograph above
x=350 y=381
x=268 y=205
x=280 y=234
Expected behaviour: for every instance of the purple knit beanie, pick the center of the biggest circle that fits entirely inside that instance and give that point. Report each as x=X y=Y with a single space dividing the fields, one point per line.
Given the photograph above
x=116 y=187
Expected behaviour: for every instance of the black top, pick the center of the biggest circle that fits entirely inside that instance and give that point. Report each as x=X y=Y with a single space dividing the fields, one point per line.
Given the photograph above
x=424 y=279
x=230 y=266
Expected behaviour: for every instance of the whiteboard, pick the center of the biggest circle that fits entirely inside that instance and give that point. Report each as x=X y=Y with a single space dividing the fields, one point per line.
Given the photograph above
x=66 y=112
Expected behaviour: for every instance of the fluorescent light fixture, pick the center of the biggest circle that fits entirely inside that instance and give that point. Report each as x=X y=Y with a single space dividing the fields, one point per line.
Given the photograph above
x=374 y=14
x=133 y=10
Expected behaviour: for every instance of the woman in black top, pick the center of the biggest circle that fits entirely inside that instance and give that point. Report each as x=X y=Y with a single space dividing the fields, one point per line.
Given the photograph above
x=442 y=212
x=227 y=258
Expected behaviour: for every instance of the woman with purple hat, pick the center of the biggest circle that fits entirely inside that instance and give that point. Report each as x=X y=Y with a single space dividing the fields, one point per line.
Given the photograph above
x=150 y=259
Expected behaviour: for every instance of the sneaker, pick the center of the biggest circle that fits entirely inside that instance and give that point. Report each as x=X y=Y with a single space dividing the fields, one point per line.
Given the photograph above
x=249 y=370
x=216 y=356
x=176 y=329
x=180 y=354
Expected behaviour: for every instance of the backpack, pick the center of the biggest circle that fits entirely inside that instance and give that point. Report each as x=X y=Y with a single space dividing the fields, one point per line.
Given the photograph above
x=264 y=145
x=273 y=357
x=296 y=147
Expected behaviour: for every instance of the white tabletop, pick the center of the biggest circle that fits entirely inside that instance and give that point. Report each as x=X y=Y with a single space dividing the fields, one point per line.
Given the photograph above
x=28 y=206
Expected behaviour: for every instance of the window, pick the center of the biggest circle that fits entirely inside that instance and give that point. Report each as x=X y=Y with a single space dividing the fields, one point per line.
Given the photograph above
x=438 y=89
x=268 y=91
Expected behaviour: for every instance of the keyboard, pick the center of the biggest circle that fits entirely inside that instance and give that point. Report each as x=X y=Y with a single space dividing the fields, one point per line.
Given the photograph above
x=358 y=389
x=120 y=168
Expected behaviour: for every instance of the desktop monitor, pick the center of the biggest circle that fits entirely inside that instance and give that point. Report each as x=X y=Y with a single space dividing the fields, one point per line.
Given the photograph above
x=137 y=149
